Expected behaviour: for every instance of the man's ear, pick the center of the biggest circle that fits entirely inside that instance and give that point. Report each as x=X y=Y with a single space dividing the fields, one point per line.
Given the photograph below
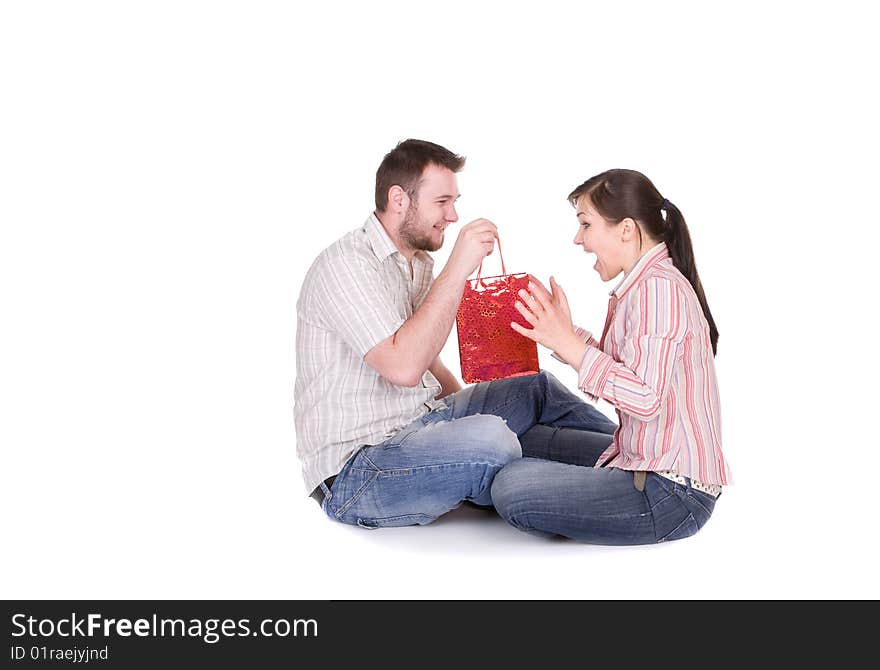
x=397 y=198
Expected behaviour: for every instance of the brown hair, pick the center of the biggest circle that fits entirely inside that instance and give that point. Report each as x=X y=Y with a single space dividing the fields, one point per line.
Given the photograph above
x=618 y=194
x=404 y=164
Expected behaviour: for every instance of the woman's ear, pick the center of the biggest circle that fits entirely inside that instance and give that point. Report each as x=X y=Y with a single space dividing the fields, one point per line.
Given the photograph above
x=628 y=229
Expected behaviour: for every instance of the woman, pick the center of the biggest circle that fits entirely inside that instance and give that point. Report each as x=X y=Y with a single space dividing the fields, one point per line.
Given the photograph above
x=661 y=475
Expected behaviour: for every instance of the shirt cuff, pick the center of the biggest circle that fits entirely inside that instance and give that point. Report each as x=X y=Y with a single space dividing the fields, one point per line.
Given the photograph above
x=596 y=373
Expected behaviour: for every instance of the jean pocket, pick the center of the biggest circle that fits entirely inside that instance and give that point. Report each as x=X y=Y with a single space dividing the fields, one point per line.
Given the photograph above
x=658 y=490
x=700 y=504
x=685 y=529
x=348 y=490
x=402 y=435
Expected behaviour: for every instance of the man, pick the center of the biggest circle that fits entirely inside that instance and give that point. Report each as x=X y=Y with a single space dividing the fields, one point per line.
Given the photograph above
x=385 y=433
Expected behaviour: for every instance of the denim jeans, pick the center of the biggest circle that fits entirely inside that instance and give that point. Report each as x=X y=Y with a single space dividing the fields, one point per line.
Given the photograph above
x=451 y=455
x=597 y=505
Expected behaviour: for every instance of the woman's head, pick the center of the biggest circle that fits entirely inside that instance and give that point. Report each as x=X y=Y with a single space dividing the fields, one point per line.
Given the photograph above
x=621 y=214
x=617 y=244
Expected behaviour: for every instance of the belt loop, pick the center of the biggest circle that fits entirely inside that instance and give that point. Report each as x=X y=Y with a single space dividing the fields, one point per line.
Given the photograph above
x=639 y=477
x=322 y=490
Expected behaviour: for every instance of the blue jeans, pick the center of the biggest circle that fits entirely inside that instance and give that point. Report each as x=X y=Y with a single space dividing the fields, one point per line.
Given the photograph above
x=451 y=455
x=597 y=505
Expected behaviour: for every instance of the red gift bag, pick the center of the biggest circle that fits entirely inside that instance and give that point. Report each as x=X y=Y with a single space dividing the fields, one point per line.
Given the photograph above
x=487 y=346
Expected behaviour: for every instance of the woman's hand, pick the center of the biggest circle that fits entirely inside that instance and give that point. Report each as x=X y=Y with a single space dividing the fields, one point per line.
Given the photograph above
x=550 y=317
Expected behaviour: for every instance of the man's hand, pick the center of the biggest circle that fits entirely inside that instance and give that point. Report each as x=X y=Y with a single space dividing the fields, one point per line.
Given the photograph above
x=403 y=357
x=476 y=240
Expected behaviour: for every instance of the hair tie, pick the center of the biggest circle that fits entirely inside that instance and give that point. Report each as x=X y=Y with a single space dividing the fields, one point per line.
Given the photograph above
x=665 y=204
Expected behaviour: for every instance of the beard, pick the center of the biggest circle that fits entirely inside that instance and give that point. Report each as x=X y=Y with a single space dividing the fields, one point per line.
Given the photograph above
x=412 y=232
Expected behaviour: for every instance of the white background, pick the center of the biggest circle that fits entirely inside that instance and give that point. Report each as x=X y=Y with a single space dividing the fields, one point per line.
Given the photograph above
x=168 y=171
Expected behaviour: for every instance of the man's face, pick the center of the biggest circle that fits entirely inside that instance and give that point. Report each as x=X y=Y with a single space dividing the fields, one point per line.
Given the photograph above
x=430 y=210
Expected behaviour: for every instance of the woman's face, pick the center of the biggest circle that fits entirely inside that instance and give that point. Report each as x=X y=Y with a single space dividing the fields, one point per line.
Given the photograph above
x=601 y=238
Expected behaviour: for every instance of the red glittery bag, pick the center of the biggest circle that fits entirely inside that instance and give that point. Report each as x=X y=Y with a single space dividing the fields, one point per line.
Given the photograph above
x=487 y=346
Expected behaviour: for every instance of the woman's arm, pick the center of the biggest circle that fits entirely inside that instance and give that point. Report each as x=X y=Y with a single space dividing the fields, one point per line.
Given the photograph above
x=656 y=327
x=585 y=336
x=550 y=317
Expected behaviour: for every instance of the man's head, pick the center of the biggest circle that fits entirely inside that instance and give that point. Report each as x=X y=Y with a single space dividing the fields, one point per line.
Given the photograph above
x=416 y=190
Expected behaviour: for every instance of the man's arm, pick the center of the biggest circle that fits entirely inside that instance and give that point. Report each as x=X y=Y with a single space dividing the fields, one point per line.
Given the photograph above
x=404 y=357
x=448 y=381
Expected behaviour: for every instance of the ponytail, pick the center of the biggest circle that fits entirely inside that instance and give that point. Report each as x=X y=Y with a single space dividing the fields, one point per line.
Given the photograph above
x=618 y=194
x=678 y=242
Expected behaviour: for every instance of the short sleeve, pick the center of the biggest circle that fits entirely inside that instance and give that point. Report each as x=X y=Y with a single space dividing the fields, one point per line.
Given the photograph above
x=353 y=299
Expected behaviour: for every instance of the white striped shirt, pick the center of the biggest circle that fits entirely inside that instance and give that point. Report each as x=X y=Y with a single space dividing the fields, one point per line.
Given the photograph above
x=655 y=365
x=357 y=293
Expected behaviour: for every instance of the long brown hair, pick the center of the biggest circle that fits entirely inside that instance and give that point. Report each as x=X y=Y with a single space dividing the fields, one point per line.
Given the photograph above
x=621 y=194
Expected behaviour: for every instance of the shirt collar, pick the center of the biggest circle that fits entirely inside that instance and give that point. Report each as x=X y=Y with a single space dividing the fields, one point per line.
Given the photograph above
x=383 y=246
x=379 y=241
x=648 y=260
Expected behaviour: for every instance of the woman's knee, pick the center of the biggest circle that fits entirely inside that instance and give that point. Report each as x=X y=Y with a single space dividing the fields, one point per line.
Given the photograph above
x=549 y=381
x=512 y=485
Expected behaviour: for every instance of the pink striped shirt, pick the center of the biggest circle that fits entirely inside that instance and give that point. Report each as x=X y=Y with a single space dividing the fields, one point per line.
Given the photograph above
x=655 y=365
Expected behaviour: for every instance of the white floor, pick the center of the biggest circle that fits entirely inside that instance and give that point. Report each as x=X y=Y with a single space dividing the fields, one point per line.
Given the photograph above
x=262 y=543
x=472 y=553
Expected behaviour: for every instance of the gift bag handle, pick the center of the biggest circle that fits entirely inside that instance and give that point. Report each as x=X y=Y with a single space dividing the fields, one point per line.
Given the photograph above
x=500 y=255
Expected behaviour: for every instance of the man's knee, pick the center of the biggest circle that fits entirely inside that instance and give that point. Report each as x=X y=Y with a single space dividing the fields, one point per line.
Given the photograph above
x=495 y=442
